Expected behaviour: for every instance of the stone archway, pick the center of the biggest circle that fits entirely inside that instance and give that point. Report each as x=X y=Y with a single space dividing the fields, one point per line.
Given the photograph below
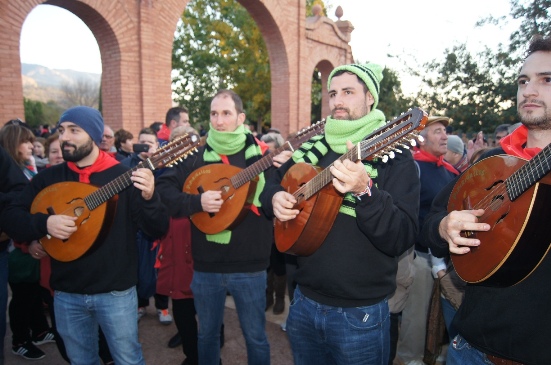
x=135 y=41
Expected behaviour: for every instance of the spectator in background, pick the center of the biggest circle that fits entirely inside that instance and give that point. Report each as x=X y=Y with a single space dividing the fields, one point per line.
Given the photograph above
x=11 y=180
x=39 y=153
x=123 y=144
x=108 y=141
x=53 y=150
x=435 y=173
x=175 y=117
x=456 y=154
x=156 y=126
x=28 y=322
x=277 y=276
x=501 y=131
x=175 y=272
x=147 y=251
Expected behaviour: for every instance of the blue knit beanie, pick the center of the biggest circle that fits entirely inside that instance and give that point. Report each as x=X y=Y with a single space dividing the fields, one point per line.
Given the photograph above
x=87 y=118
x=371 y=74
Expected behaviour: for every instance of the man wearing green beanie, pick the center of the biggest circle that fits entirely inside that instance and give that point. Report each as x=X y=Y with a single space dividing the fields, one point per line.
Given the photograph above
x=340 y=311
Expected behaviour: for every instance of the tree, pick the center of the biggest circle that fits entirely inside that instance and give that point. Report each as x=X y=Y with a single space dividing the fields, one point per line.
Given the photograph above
x=478 y=91
x=218 y=45
x=392 y=101
x=80 y=92
x=38 y=113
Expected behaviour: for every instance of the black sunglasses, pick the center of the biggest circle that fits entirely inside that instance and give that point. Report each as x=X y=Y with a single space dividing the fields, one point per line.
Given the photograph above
x=18 y=122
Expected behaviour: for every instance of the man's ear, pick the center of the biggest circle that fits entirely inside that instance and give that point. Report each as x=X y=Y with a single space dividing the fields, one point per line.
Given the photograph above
x=369 y=99
x=241 y=118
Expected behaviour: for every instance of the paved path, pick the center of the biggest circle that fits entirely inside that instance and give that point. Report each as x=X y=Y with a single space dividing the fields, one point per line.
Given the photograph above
x=154 y=338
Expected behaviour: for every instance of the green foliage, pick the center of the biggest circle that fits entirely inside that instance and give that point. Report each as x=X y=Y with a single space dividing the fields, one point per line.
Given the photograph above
x=38 y=113
x=535 y=19
x=218 y=45
x=316 y=96
x=311 y=3
x=478 y=91
x=392 y=101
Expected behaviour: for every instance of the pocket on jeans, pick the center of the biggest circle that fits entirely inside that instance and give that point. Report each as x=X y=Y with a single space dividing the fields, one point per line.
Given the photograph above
x=121 y=293
x=364 y=318
x=459 y=343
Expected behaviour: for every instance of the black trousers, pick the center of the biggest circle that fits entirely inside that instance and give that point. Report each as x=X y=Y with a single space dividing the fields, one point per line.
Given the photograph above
x=184 y=318
x=26 y=312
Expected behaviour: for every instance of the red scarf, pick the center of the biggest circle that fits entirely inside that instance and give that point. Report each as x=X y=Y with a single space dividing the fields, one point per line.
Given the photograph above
x=424 y=156
x=514 y=143
x=103 y=162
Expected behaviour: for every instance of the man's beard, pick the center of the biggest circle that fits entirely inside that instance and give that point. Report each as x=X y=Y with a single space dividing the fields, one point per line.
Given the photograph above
x=351 y=116
x=535 y=123
x=79 y=153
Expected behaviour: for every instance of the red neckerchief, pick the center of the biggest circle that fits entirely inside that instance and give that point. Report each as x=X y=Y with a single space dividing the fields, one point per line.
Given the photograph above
x=263 y=148
x=514 y=143
x=103 y=162
x=424 y=156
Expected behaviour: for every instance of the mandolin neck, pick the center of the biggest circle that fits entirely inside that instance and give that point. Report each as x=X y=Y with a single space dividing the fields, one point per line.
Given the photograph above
x=529 y=174
x=317 y=183
x=259 y=166
x=114 y=187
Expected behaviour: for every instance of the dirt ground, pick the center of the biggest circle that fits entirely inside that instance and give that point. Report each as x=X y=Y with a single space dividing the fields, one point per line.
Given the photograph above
x=154 y=338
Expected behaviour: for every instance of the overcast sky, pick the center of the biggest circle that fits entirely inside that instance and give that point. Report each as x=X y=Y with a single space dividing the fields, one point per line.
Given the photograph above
x=404 y=29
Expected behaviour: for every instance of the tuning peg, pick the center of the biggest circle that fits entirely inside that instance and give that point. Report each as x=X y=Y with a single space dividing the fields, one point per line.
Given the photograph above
x=385 y=159
x=403 y=145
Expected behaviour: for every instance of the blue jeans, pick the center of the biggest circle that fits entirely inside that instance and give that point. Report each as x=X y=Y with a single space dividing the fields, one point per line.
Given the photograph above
x=322 y=334
x=461 y=353
x=78 y=316
x=3 y=297
x=249 y=293
x=449 y=312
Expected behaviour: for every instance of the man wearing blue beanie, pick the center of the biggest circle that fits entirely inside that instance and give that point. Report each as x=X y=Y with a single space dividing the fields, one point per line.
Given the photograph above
x=340 y=313
x=96 y=287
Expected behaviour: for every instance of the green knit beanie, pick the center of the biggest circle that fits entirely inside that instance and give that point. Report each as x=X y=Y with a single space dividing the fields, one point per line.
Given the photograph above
x=371 y=74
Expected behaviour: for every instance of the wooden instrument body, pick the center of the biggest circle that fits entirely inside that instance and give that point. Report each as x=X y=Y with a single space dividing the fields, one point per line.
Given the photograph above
x=236 y=201
x=305 y=234
x=67 y=198
x=517 y=240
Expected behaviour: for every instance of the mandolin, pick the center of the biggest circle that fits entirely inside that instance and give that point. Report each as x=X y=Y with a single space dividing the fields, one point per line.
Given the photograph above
x=318 y=201
x=237 y=185
x=95 y=207
x=515 y=195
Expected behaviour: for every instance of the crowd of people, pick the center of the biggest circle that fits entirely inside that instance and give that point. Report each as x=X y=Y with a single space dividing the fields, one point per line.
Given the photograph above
x=379 y=289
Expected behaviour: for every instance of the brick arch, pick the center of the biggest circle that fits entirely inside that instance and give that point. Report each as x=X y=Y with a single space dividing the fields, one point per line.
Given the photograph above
x=135 y=40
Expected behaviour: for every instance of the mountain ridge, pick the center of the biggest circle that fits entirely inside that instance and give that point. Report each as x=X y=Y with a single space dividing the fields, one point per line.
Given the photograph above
x=44 y=84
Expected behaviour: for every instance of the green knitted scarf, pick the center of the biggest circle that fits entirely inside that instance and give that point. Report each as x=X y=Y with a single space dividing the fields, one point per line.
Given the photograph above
x=337 y=132
x=230 y=143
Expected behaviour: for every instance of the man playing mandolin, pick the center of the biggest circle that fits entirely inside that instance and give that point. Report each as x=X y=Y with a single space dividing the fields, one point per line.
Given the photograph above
x=340 y=312
x=505 y=324
x=233 y=259
x=97 y=288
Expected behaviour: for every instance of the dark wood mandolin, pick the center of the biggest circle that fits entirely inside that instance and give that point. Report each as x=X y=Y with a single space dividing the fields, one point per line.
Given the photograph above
x=318 y=201
x=516 y=195
x=237 y=185
x=95 y=207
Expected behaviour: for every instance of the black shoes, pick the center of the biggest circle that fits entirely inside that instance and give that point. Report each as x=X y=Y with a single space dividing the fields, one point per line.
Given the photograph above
x=28 y=351
x=175 y=341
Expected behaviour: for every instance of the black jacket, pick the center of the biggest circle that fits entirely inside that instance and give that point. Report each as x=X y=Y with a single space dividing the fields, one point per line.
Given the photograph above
x=356 y=264
x=511 y=322
x=110 y=264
